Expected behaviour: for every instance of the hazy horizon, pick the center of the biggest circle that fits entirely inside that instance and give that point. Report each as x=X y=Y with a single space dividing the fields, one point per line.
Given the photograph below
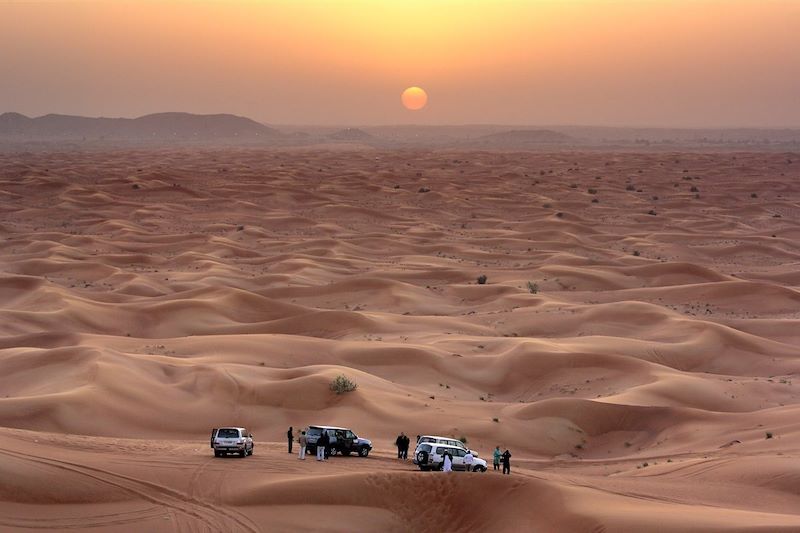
x=603 y=63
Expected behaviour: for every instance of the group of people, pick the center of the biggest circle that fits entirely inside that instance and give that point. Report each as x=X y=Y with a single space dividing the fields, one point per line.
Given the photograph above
x=504 y=457
x=403 y=442
x=323 y=444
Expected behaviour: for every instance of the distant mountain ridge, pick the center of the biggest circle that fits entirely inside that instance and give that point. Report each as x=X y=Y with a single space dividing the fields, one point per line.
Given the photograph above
x=157 y=126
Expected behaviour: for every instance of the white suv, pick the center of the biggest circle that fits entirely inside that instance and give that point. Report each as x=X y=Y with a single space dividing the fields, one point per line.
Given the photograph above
x=231 y=440
x=430 y=456
x=436 y=439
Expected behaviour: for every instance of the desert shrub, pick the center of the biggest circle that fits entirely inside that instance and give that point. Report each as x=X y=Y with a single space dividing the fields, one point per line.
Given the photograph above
x=482 y=279
x=533 y=288
x=495 y=419
x=342 y=384
x=591 y=190
x=753 y=195
x=652 y=212
x=637 y=253
x=694 y=189
x=630 y=188
x=595 y=201
x=463 y=438
x=769 y=434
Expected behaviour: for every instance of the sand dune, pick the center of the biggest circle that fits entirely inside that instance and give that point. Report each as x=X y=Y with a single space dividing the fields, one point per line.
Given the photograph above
x=634 y=352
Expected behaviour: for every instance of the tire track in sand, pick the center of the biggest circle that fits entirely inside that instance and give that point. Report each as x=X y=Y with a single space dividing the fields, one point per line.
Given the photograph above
x=211 y=517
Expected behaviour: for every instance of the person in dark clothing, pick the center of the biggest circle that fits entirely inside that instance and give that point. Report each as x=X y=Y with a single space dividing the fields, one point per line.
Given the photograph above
x=290 y=436
x=506 y=462
x=399 y=443
x=405 y=445
x=326 y=444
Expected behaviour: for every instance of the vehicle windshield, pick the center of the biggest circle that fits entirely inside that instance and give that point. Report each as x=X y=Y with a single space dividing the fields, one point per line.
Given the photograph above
x=228 y=433
x=314 y=431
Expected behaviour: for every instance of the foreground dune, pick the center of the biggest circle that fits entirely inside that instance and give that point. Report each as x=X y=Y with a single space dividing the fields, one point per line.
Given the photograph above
x=636 y=353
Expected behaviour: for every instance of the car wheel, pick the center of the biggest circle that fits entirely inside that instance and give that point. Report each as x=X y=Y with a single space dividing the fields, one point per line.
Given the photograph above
x=363 y=452
x=422 y=458
x=252 y=449
x=243 y=453
x=333 y=452
x=217 y=453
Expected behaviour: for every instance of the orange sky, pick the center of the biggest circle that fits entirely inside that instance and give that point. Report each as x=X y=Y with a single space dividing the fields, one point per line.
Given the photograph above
x=606 y=62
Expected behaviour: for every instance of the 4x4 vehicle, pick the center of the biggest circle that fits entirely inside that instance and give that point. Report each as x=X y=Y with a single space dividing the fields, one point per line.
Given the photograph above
x=342 y=440
x=430 y=456
x=436 y=439
x=231 y=440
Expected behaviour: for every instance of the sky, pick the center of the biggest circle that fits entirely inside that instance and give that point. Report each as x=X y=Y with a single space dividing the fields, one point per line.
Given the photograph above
x=671 y=63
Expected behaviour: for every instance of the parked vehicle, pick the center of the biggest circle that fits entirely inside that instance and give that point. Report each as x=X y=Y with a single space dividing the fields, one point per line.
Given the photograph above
x=436 y=439
x=430 y=456
x=231 y=440
x=342 y=440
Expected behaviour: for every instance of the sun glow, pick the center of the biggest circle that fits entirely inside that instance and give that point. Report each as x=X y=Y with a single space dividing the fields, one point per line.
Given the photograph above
x=414 y=98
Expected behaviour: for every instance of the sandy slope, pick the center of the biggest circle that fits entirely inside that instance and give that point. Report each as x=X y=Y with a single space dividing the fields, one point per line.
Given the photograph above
x=155 y=294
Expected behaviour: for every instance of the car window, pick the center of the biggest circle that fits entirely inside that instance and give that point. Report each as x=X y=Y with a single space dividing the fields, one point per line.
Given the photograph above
x=425 y=448
x=427 y=439
x=459 y=453
x=314 y=431
x=351 y=435
x=440 y=450
x=228 y=433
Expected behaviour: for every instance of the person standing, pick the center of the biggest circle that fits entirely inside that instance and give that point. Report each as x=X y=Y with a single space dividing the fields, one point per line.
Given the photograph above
x=506 y=462
x=321 y=445
x=448 y=463
x=406 y=444
x=326 y=449
x=497 y=455
x=468 y=459
x=290 y=437
x=303 y=441
x=399 y=443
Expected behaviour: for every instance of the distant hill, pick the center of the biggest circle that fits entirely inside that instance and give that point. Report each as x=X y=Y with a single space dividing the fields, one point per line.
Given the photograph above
x=350 y=134
x=159 y=126
x=523 y=138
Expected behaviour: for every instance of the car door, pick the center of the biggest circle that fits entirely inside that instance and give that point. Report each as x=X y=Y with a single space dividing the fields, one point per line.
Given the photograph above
x=213 y=436
x=458 y=458
x=349 y=441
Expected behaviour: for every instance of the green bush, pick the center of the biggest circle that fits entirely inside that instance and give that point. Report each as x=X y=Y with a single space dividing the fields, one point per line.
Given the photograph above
x=342 y=384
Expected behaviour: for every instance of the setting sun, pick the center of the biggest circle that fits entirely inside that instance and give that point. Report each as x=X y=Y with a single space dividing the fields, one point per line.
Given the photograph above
x=414 y=98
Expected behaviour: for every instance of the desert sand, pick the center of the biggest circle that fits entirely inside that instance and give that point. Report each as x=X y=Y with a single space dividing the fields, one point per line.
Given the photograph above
x=634 y=346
